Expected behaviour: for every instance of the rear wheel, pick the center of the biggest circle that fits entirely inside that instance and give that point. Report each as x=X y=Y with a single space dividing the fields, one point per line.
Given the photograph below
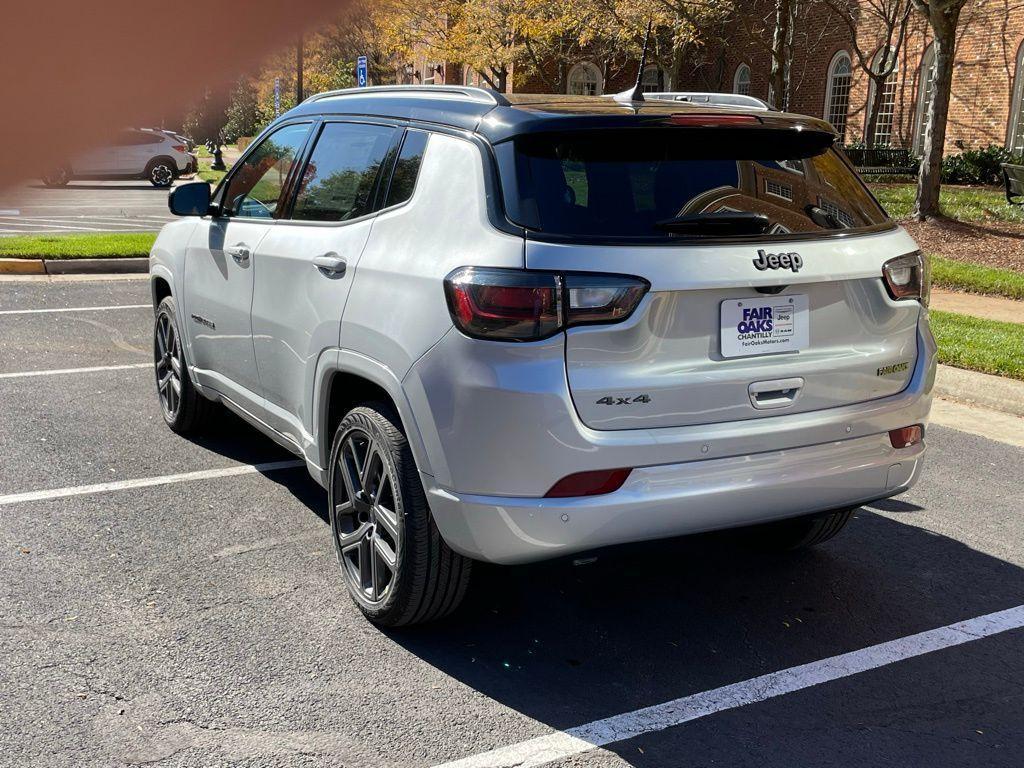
x=801 y=532
x=59 y=177
x=184 y=409
x=161 y=173
x=395 y=564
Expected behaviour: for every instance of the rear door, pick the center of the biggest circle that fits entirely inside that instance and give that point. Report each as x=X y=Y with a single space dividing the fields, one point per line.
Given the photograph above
x=220 y=270
x=766 y=276
x=306 y=264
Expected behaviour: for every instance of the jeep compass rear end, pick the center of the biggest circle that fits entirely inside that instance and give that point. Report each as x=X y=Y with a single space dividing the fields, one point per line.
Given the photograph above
x=512 y=329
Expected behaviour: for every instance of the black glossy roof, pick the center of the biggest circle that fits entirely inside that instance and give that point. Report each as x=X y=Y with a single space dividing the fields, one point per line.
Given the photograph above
x=499 y=117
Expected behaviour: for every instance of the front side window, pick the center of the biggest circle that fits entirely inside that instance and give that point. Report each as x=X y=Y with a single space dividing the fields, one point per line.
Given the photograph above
x=256 y=185
x=339 y=182
x=668 y=183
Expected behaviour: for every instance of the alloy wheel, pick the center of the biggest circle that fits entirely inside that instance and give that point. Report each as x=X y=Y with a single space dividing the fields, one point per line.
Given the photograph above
x=161 y=175
x=168 y=359
x=364 y=519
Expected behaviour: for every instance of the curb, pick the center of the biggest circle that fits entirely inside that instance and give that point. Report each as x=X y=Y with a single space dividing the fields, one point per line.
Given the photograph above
x=22 y=267
x=96 y=266
x=993 y=392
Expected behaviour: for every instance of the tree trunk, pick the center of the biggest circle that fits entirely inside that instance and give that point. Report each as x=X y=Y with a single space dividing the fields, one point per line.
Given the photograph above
x=783 y=19
x=929 y=178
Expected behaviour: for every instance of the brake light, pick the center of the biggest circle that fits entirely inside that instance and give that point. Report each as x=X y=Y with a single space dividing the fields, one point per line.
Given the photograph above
x=526 y=305
x=712 y=119
x=904 y=437
x=179 y=148
x=593 y=483
x=906 y=277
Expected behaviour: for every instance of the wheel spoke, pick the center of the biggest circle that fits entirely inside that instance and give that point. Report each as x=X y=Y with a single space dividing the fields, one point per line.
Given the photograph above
x=161 y=340
x=388 y=520
x=164 y=381
x=349 y=540
x=385 y=551
x=366 y=475
x=176 y=365
x=176 y=385
x=348 y=477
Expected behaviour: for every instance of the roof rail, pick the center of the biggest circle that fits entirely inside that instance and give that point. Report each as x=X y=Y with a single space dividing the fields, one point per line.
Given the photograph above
x=712 y=99
x=470 y=93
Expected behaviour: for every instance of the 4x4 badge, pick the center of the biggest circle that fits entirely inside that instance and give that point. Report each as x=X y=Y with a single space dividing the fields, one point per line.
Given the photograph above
x=765 y=261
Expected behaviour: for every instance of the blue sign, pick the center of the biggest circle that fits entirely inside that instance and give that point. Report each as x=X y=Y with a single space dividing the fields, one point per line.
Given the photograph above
x=361 y=76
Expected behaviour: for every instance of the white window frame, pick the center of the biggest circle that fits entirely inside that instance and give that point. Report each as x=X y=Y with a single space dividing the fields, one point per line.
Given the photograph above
x=893 y=78
x=743 y=67
x=1015 y=127
x=661 y=73
x=830 y=84
x=583 y=66
x=925 y=94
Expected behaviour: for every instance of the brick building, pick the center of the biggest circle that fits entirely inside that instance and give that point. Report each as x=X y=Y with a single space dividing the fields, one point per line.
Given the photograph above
x=987 y=104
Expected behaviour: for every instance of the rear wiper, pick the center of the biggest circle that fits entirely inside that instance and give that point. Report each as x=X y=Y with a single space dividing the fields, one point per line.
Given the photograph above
x=721 y=223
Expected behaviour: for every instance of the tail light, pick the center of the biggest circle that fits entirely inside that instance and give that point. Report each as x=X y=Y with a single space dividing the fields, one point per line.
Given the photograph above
x=906 y=277
x=525 y=305
x=179 y=148
x=594 y=483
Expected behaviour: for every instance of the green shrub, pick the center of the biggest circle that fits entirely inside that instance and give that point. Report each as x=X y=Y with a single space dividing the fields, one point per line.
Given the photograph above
x=978 y=166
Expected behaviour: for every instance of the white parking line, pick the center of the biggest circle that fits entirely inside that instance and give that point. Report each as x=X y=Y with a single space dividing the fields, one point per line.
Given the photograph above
x=60 y=371
x=147 y=482
x=72 y=309
x=562 y=744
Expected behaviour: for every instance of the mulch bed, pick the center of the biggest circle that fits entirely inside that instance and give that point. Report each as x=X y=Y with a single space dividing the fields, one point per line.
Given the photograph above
x=991 y=244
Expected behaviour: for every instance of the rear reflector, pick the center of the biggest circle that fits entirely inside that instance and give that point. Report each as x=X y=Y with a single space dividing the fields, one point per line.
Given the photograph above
x=906 y=436
x=589 y=483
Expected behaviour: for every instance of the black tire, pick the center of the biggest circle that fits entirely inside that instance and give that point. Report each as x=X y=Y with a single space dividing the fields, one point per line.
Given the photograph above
x=58 y=177
x=426 y=580
x=800 y=532
x=184 y=410
x=161 y=172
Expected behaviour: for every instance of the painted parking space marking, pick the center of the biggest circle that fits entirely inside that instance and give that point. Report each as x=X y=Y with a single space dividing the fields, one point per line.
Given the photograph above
x=148 y=482
x=53 y=310
x=65 y=371
x=583 y=738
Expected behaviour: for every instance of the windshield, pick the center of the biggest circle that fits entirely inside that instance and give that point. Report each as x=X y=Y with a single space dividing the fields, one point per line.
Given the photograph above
x=676 y=183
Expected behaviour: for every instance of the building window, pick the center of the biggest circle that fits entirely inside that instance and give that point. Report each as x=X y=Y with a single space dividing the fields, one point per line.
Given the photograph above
x=925 y=94
x=585 y=79
x=887 y=99
x=837 y=93
x=1015 y=139
x=654 y=80
x=741 y=80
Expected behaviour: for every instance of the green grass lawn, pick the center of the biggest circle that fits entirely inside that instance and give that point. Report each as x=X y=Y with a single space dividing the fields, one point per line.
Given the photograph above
x=977 y=204
x=979 y=345
x=974 y=278
x=102 y=245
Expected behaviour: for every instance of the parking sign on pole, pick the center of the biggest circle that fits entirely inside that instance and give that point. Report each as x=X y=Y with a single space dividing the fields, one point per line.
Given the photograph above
x=361 y=77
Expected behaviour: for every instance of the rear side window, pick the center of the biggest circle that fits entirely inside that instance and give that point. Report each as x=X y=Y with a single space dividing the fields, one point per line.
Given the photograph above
x=340 y=180
x=667 y=183
x=403 y=180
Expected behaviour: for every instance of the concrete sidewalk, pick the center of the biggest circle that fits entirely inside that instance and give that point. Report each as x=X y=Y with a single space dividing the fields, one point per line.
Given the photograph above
x=986 y=307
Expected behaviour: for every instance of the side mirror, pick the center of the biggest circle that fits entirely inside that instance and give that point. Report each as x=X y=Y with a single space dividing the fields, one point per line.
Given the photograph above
x=190 y=199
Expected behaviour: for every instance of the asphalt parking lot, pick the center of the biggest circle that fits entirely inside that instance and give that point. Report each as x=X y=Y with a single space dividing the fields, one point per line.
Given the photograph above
x=83 y=206
x=175 y=603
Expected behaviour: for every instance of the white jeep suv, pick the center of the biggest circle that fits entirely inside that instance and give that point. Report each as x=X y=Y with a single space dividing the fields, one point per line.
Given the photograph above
x=514 y=328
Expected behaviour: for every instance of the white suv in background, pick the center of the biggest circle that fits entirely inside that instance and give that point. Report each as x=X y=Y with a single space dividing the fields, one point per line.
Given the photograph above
x=153 y=155
x=514 y=328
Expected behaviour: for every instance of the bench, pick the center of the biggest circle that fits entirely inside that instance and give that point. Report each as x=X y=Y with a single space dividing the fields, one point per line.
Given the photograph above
x=1013 y=176
x=882 y=160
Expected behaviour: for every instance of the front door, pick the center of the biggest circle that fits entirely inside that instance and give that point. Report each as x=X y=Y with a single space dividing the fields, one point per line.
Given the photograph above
x=220 y=269
x=305 y=267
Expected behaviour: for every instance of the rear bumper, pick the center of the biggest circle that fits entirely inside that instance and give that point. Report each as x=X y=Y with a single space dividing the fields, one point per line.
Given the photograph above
x=676 y=499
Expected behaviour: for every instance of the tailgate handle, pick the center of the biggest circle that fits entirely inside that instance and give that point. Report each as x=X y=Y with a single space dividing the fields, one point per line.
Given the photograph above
x=777 y=393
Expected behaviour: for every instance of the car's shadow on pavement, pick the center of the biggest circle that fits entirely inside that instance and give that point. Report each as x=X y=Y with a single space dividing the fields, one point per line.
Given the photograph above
x=567 y=644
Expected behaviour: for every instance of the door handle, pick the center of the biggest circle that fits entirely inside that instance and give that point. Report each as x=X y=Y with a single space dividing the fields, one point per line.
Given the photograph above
x=775 y=394
x=239 y=253
x=330 y=264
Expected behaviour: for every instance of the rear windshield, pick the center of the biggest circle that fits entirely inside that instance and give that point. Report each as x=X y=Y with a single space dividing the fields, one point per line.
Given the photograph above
x=658 y=183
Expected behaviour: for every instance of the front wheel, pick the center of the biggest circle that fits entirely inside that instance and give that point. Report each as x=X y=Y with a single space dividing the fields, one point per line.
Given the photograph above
x=395 y=564
x=184 y=410
x=58 y=177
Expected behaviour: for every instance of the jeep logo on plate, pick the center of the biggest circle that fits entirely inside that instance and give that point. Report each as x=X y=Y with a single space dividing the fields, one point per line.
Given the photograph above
x=778 y=261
